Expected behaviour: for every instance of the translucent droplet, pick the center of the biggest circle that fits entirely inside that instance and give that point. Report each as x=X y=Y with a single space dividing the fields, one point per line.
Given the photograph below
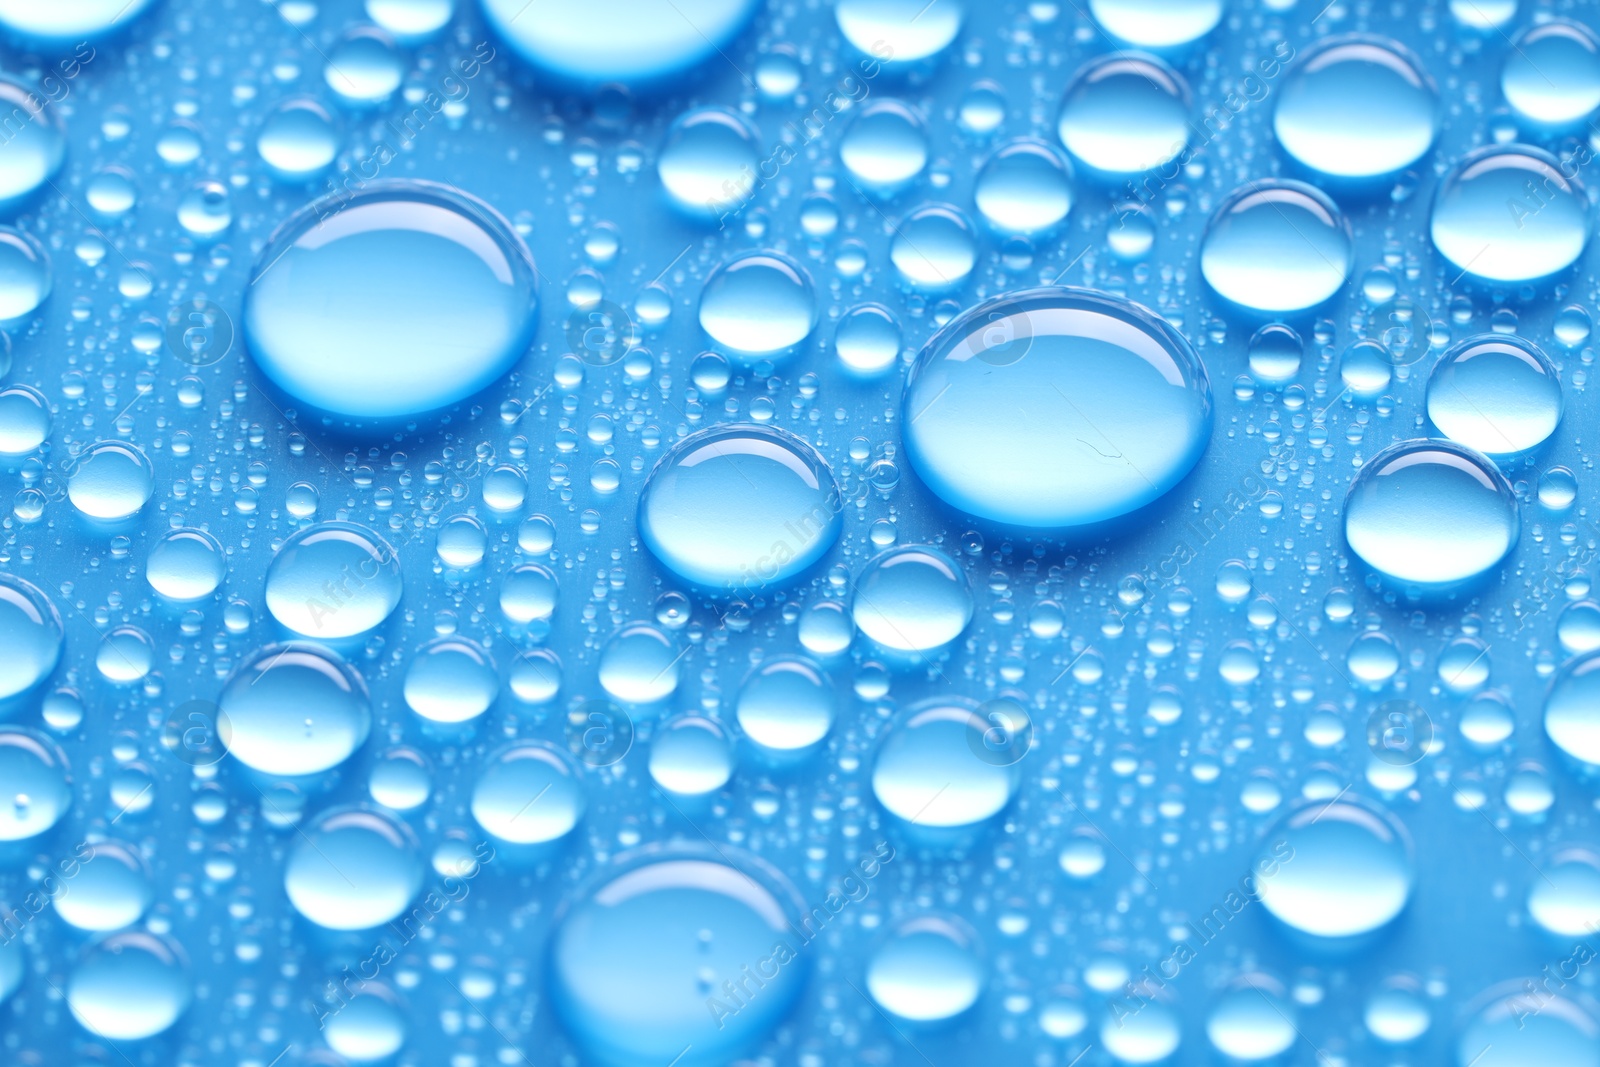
x=928 y=970
x=298 y=139
x=369 y=1027
x=24 y=420
x=405 y=297
x=462 y=542
x=1157 y=23
x=1336 y=869
x=1277 y=246
x=759 y=302
x=1430 y=512
x=130 y=986
x=36 y=143
x=1125 y=114
x=451 y=680
x=925 y=772
x=333 y=580
x=294 y=710
x=411 y=19
x=1503 y=1032
x=1275 y=354
x=639 y=665
x=1509 y=213
x=353 y=869
x=110 y=890
x=364 y=69
x=934 y=247
x=1055 y=408
x=885 y=146
x=186 y=565
x=1025 y=187
x=1252 y=1021
x=528 y=794
x=708 y=162
x=912 y=599
x=642 y=41
x=25 y=277
x=34 y=788
x=691 y=756
x=1566 y=900
x=1552 y=72
x=900 y=31
x=31 y=634
x=867 y=341
x=112 y=480
x=1496 y=393
x=786 y=704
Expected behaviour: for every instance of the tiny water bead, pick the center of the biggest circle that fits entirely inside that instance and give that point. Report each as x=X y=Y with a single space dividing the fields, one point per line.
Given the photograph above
x=1430 y=512
x=1157 y=23
x=1510 y=213
x=912 y=599
x=1357 y=107
x=1125 y=114
x=186 y=565
x=642 y=43
x=1566 y=901
x=691 y=756
x=1569 y=716
x=451 y=680
x=528 y=794
x=1551 y=74
x=1336 y=869
x=647 y=965
x=885 y=146
x=740 y=507
x=25 y=277
x=396 y=300
x=36 y=792
x=1277 y=246
x=130 y=986
x=31 y=633
x=708 y=162
x=111 y=480
x=1024 y=187
x=35 y=144
x=353 y=869
x=298 y=139
x=1503 y=1032
x=899 y=31
x=1055 y=407
x=294 y=710
x=786 y=704
x=928 y=970
x=758 y=303
x=925 y=772
x=333 y=580
x=867 y=341
x=934 y=247
x=1495 y=393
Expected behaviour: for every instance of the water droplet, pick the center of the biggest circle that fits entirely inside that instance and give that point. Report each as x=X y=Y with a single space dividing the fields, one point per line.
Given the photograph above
x=928 y=970
x=1252 y=1021
x=403 y=298
x=186 y=565
x=112 y=480
x=1503 y=1032
x=110 y=890
x=1277 y=246
x=31 y=634
x=1025 y=187
x=912 y=599
x=34 y=789
x=1117 y=406
x=1275 y=354
x=294 y=710
x=130 y=986
x=885 y=146
x=1495 y=393
x=451 y=680
x=1157 y=23
x=1508 y=213
x=708 y=162
x=298 y=139
x=900 y=31
x=369 y=1027
x=25 y=278
x=24 y=420
x=639 y=665
x=641 y=41
x=691 y=756
x=364 y=68
x=786 y=704
x=759 y=302
x=1552 y=72
x=1357 y=106
x=934 y=247
x=353 y=869
x=1125 y=114
x=36 y=143
x=1336 y=869
x=926 y=774
x=411 y=19
x=867 y=340
x=528 y=794
x=333 y=580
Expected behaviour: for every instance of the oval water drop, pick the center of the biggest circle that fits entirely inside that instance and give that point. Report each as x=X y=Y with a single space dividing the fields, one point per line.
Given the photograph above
x=294 y=710
x=1496 y=393
x=1489 y=222
x=353 y=869
x=333 y=580
x=1277 y=246
x=1340 y=869
x=1357 y=107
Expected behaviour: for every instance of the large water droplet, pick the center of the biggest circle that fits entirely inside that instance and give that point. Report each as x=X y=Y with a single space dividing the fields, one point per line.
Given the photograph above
x=294 y=710
x=34 y=790
x=1124 y=114
x=928 y=970
x=130 y=986
x=1509 y=1030
x=30 y=633
x=25 y=278
x=451 y=680
x=1566 y=900
x=912 y=599
x=405 y=297
x=333 y=580
x=112 y=480
x=1357 y=106
x=24 y=420
x=36 y=143
x=1495 y=393
x=759 y=302
x=1430 y=512
x=1157 y=23
x=110 y=890
x=353 y=869
x=68 y=22
x=737 y=508
x=1552 y=72
x=639 y=665
x=1252 y=1021
x=1054 y=408
x=1277 y=246
x=786 y=704
x=186 y=565
x=1509 y=213
x=618 y=40
x=1025 y=187
x=528 y=794
x=708 y=162
x=885 y=146
x=1336 y=869
x=927 y=774
x=900 y=31
x=298 y=139
x=1571 y=717
x=691 y=756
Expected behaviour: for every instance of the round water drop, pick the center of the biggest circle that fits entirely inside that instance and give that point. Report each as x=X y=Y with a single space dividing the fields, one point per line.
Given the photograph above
x=403 y=298
x=759 y=302
x=1566 y=900
x=1578 y=626
x=24 y=420
x=1489 y=221
x=111 y=480
x=740 y=507
x=1496 y=393
x=411 y=19
x=13 y=967
x=1275 y=354
x=1509 y=1030
x=639 y=665
x=900 y=31
x=364 y=69
x=779 y=73
x=186 y=565
x=867 y=341
x=298 y=139
x=30 y=633
x=708 y=162
x=369 y=1027
x=402 y=780
x=1150 y=1036
x=1483 y=14
x=1252 y=1021
x=1430 y=512
x=929 y=970
x=130 y=986
x=333 y=580
x=34 y=789
x=1357 y=106
x=462 y=542
x=25 y=278
x=669 y=930
x=1397 y=1014
x=1552 y=73
x=691 y=756
x=294 y=710
x=926 y=774
x=1025 y=187
x=528 y=794
x=885 y=146
x=529 y=594
x=1342 y=869
x=1569 y=711
x=1055 y=407
x=206 y=210
x=125 y=655
x=451 y=680
x=112 y=192
x=36 y=143
x=1125 y=114
x=1277 y=246
x=786 y=704
x=110 y=890
x=353 y=869
x=1157 y=23
x=934 y=247
x=912 y=599
x=630 y=41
